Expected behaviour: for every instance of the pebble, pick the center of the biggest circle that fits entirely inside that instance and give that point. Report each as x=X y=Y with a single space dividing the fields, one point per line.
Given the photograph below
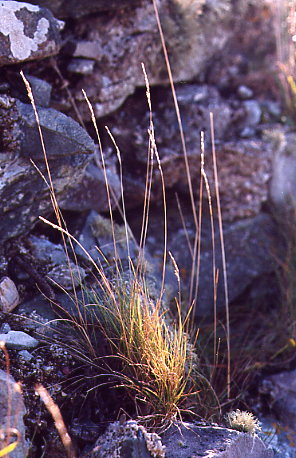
x=253 y=112
x=244 y=92
x=9 y=296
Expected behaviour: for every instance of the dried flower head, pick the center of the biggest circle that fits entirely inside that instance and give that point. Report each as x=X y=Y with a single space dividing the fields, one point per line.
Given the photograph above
x=243 y=421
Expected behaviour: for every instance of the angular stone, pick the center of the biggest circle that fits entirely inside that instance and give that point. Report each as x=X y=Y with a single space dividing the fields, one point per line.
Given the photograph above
x=128 y=440
x=63 y=137
x=24 y=195
x=18 y=340
x=27 y=32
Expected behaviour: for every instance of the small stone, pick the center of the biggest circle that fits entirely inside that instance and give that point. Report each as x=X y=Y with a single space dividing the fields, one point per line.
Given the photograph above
x=253 y=112
x=26 y=355
x=244 y=92
x=5 y=328
x=81 y=66
x=18 y=340
x=9 y=296
x=247 y=132
x=67 y=276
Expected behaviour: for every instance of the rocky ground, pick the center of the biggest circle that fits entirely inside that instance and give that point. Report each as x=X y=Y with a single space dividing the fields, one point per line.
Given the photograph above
x=223 y=56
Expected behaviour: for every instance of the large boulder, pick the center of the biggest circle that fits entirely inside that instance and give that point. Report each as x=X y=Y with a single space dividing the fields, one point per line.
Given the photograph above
x=24 y=194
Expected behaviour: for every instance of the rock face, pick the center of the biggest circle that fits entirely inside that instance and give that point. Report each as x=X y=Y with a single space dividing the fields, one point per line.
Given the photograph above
x=118 y=43
x=27 y=32
x=74 y=9
x=11 y=401
x=244 y=165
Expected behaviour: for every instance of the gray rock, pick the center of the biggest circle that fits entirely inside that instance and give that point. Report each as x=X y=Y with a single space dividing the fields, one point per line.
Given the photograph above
x=9 y=296
x=97 y=232
x=19 y=340
x=127 y=440
x=281 y=389
x=24 y=194
x=67 y=276
x=244 y=92
x=253 y=113
x=11 y=400
x=283 y=183
x=63 y=137
x=249 y=247
x=47 y=252
x=26 y=355
x=186 y=440
x=27 y=32
x=81 y=66
x=41 y=89
x=88 y=192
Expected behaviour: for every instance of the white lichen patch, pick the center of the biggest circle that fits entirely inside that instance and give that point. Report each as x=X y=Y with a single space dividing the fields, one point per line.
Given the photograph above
x=21 y=46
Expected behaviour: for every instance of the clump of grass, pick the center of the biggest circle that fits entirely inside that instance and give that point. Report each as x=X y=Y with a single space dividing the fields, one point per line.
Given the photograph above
x=156 y=357
x=243 y=421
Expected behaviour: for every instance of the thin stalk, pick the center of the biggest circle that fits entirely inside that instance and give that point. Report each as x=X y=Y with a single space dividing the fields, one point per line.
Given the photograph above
x=223 y=253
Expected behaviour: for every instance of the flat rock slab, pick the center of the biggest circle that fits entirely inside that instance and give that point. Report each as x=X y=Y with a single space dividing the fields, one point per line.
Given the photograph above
x=187 y=440
x=27 y=32
x=18 y=340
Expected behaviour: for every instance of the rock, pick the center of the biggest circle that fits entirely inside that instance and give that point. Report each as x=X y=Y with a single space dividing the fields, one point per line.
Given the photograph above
x=88 y=192
x=26 y=355
x=127 y=440
x=97 y=232
x=249 y=250
x=81 y=66
x=12 y=411
x=9 y=296
x=187 y=439
x=24 y=194
x=244 y=166
x=61 y=270
x=77 y=9
x=27 y=32
x=195 y=33
x=67 y=276
x=63 y=137
x=283 y=183
x=41 y=89
x=18 y=340
x=281 y=391
x=253 y=112
x=244 y=92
